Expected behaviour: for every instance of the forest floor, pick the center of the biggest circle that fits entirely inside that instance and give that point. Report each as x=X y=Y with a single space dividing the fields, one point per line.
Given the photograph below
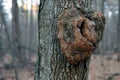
x=102 y=67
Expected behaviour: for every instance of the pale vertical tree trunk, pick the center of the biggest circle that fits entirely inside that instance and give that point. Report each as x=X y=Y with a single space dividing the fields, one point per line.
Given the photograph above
x=102 y=8
x=51 y=63
x=118 y=33
x=31 y=28
x=95 y=5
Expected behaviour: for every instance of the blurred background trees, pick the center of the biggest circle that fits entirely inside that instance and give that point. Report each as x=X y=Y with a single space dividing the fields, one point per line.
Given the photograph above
x=18 y=33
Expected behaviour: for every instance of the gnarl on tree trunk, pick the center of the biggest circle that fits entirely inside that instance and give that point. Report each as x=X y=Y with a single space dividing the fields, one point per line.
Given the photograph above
x=78 y=34
x=65 y=56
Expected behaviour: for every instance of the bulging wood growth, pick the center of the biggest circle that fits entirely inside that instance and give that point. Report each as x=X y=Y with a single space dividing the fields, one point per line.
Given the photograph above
x=78 y=33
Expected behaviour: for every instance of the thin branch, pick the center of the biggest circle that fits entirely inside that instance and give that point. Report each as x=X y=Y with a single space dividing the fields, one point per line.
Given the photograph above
x=112 y=76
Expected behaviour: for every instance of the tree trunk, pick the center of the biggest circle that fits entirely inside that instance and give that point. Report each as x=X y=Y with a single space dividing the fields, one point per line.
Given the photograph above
x=102 y=8
x=15 y=27
x=118 y=32
x=31 y=28
x=52 y=64
x=15 y=42
x=2 y=24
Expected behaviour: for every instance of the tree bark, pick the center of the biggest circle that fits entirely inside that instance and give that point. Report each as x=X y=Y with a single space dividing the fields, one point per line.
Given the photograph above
x=52 y=64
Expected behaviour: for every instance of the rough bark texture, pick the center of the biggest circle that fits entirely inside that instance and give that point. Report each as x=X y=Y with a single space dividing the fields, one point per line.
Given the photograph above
x=52 y=64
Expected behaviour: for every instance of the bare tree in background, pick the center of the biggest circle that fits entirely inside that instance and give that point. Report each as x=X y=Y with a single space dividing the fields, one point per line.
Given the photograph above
x=2 y=25
x=102 y=9
x=15 y=35
x=118 y=33
x=31 y=26
x=15 y=27
x=52 y=64
x=10 y=43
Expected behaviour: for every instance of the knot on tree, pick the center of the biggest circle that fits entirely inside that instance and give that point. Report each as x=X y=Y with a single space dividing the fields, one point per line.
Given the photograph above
x=79 y=33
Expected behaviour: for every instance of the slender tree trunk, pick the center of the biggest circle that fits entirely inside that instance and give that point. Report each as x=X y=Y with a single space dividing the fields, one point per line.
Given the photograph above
x=52 y=64
x=15 y=42
x=2 y=25
x=15 y=18
x=102 y=8
x=15 y=27
x=118 y=33
x=95 y=5
x=31 y=28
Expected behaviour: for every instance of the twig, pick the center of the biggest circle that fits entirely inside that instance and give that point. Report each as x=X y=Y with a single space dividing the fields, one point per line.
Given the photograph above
x=112 y=76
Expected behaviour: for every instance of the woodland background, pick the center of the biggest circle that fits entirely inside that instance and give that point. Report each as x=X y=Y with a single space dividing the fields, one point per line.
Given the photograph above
x=18 y=41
